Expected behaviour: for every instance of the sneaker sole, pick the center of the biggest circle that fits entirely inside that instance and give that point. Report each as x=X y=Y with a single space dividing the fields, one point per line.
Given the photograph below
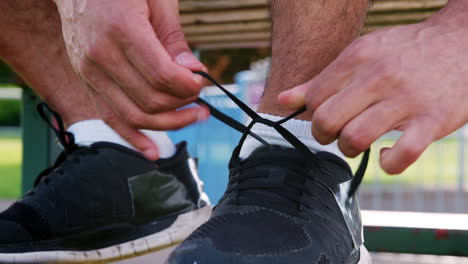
x=175 y=234
x=365 y=256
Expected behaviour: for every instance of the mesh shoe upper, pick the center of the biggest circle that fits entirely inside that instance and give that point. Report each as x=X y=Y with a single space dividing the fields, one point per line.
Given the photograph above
x=278 y=208
x=101 y=189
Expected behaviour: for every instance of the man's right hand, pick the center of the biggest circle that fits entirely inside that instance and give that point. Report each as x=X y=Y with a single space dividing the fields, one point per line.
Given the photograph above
x=134 y=54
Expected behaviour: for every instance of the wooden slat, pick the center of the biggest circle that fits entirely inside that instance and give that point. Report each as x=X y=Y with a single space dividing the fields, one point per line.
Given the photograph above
x=392 y=6
x=397 y=18
x=225 y=16
x=378 y=6
x=237 y=23
x=249 y=36
x=236 y=45
x=256 y=26
x=231 y=27
x=237 y=16
x=206 y=5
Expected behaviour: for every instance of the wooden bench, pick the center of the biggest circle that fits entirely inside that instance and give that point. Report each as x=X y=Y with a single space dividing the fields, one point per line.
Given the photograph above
x=212 y=24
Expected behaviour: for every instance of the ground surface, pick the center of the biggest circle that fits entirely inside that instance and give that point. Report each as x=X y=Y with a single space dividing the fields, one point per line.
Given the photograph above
x=378 y=258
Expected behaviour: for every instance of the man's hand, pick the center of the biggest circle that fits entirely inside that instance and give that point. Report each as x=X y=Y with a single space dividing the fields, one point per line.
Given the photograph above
x=32 y=44
x=134 y=54
x=410 y=78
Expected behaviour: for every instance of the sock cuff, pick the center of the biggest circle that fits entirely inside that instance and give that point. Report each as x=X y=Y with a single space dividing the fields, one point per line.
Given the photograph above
x=91 y=131
x=299 y=128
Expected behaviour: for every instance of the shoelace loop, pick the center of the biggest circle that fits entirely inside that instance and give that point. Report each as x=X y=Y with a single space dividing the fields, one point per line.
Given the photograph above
x=66 y=139
x=294 y=141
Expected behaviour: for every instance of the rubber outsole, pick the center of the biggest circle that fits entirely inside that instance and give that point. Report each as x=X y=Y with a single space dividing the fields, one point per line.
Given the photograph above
x=175 y=234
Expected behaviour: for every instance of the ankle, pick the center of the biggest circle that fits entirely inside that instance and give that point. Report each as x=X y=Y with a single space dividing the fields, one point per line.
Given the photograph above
x=299 y=128
x=88 y=132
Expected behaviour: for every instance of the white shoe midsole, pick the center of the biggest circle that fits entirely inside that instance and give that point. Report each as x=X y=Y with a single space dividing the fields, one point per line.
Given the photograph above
x=176 y=233
x=365 y=256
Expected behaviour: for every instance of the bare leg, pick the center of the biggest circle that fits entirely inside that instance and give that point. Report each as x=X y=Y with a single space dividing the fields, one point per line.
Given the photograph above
x=307 y=36
x=31 y=43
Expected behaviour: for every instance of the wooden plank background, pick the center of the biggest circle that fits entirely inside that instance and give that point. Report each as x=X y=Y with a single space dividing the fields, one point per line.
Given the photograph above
x=245 y=23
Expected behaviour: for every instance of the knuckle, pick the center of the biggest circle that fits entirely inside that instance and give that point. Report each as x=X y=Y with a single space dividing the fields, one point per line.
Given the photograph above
x=134 y=118
x=324 y=124
x=361 y=48
x=115 y=24
x=364 y=42
x=95 y=51
x=173 y=36
x=385 y=71
x=109 y=119
x=164 y=78
x=191 y=91
x=312 y=101
x=152 y=105
x=356 y=140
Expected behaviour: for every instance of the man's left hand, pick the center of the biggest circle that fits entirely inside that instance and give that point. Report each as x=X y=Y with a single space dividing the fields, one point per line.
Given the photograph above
x=410 y=78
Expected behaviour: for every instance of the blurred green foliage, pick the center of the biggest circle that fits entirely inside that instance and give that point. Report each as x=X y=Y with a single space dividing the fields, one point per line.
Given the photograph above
x=6 y=75
x=10 y=111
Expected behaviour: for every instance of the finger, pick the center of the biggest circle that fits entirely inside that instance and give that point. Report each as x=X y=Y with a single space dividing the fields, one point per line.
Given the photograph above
x=169 y=31
x=331 y=116
x=137 y=88
x=130 y=114
x=320 y=88
x=358 y=135
x=408 y=148
x=133 y=136
x=146 y=53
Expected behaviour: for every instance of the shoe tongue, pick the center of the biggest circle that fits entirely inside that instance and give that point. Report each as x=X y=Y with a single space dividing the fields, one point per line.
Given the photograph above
x=283 y=167
x=276 y=153
x=280 y=166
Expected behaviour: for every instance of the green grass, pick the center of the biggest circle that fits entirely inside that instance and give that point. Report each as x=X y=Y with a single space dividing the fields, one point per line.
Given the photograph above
x=438 y=166
x=10 y=166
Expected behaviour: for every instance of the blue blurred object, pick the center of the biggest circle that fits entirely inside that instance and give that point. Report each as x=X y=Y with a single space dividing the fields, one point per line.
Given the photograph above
x=212 y=142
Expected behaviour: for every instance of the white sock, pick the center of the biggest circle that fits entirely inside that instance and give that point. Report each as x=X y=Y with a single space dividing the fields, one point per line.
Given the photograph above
x=299 y=128
x=88 y=132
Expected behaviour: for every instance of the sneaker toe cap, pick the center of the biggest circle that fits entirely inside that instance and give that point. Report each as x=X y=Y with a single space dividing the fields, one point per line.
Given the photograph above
x=202 y=251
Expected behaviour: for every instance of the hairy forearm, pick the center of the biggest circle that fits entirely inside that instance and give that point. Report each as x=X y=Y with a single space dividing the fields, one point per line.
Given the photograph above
x=23 y=21
x=32 y=44
x=307 y=36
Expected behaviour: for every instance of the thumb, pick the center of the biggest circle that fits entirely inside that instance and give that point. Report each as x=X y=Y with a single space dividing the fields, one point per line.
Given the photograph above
x=293 y=98
x=166 y=23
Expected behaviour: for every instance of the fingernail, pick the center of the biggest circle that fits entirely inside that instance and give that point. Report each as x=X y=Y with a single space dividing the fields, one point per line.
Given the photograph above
x=151 y=154
x=203 y=115
x=198 y=79
x=187 y=59
x=291 y=98
x=384 y=153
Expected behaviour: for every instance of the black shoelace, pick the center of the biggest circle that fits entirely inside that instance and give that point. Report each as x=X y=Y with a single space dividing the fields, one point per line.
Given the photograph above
x=294 y=141
x=66 y=140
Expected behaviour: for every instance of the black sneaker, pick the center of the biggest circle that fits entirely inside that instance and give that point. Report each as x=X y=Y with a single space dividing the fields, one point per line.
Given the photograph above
x=103 y=202
x=282 y=206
